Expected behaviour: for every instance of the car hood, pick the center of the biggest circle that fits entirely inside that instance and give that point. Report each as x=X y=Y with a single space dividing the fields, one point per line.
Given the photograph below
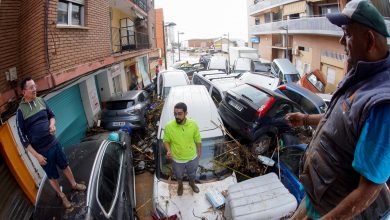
x=165 y=198
x=81 y=158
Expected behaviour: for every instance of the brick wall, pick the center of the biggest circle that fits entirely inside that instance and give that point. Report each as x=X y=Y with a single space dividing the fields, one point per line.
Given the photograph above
x=9 y=34
x=151 y=24
x=69 y=48
x=31 y=35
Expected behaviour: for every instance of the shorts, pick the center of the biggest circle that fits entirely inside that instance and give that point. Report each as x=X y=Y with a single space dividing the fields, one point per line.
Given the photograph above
x=55 y=156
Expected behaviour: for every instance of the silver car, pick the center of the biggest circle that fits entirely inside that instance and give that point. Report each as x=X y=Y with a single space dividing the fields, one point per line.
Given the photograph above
x=127 y=109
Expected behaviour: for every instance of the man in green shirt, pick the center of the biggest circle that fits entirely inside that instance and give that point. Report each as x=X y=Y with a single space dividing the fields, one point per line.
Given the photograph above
x=183 y=144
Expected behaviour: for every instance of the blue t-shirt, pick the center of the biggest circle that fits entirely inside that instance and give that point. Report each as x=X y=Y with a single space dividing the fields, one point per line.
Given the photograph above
x=372 y=154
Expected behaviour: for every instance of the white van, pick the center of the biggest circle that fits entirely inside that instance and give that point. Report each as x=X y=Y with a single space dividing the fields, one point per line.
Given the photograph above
x=170 y=78
x=210 y=175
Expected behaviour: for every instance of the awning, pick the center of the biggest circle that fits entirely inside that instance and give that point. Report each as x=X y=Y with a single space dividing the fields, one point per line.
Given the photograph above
x=294 y=8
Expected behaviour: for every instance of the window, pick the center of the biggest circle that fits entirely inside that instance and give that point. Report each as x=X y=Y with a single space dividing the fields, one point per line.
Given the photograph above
x=267 y=17
x=70 y=13
x=109 y=176
x=257 y=21
x=327 y=9
x=216 y=96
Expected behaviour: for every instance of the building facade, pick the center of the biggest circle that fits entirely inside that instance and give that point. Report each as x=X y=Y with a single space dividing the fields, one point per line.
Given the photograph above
x=298 y=30
x=80 y=53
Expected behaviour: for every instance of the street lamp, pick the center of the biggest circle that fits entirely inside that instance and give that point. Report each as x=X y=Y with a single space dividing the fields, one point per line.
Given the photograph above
x=178 y=41
x=286 y=29
x=228 y=48
x=168 y=24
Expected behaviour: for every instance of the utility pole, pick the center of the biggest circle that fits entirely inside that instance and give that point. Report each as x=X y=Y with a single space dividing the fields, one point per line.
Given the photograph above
x=178 y=41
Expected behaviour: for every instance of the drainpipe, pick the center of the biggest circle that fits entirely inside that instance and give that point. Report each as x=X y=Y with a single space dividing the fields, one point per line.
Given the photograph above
x=46 y=40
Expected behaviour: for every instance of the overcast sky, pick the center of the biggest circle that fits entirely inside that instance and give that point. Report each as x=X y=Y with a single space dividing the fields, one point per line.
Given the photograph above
x=207 y=18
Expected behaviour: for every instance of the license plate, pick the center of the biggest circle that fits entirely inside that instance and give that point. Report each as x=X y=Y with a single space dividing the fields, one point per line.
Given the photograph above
x=235 y=105
x=118 y=123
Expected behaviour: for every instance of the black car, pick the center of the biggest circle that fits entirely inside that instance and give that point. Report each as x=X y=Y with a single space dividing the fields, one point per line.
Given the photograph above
x=106 y=168
x=257 y=114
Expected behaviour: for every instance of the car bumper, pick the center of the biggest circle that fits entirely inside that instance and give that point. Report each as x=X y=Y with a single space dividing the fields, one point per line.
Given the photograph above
x=116 y=124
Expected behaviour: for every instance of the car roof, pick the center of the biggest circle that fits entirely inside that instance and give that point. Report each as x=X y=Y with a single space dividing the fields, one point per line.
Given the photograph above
x=175 y=78
x=226 y=84
x=132 y=94
x=200 y=108
x=286 y=66
x=306 y=93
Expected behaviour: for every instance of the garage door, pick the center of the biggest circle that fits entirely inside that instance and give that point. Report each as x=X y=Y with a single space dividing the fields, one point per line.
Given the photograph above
x=13 y=202
x=71 y=121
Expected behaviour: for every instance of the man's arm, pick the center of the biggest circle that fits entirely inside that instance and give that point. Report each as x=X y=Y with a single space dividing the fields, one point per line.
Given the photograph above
x=41 y=159
x=168 y=149
x=199 y=149
x=52 y=126
x=357 y=201
x=297 y=119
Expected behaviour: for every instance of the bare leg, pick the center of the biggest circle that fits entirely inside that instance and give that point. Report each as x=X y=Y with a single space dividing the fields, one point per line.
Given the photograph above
x=56 y=187
x=69 y=175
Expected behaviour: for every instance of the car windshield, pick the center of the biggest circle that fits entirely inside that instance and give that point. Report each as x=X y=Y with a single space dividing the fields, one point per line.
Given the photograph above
x=315 y=82
x=261 y=67
x=119 y=105
x=209 y=163
x=166 y=91
x=292 y=77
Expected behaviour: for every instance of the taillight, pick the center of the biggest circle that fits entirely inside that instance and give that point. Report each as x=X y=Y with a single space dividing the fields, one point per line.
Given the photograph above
x=282 y=87
x=265 y=107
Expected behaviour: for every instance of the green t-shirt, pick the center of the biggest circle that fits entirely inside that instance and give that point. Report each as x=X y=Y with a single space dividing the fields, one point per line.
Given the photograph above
x=182 y=139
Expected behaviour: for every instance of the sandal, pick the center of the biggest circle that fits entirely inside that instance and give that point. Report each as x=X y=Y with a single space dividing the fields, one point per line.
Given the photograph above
x=67 y=204
x=79 y=187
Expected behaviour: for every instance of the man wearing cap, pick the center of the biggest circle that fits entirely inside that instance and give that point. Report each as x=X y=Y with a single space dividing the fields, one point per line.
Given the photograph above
x=347 y=163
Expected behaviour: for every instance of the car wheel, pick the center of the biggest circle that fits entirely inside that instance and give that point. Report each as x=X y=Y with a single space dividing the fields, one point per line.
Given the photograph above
x=262 y=144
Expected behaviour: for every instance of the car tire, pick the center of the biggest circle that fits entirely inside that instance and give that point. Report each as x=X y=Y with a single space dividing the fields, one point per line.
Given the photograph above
x=262 y=144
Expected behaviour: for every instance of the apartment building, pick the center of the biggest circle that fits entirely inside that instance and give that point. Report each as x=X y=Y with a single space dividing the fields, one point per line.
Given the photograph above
x=298 y=30
x=80 y=53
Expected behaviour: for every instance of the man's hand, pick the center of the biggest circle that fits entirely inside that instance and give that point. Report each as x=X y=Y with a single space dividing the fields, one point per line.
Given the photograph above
x=41 y=159
x=199 y=152
x=169 y=154
x=295 y=119
x=52 y=129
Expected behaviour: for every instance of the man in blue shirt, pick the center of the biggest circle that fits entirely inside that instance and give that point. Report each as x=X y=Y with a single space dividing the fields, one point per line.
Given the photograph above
x=347 y=163
x=36 y=129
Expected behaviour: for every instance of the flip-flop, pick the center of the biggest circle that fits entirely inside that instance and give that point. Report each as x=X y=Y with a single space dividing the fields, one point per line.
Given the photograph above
x=79 y=187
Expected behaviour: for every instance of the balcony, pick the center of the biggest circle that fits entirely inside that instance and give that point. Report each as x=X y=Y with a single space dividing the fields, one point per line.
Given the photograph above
x=307 y=25
x=261 y=6
x=128 y=40
x=142 y=4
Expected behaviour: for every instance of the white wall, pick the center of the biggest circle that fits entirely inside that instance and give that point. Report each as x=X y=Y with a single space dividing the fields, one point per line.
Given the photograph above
x=90 y=99
x=123 y=77
x=106 y=87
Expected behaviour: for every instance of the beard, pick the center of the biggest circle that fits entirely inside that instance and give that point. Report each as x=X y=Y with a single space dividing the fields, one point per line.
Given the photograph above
x=179 y=121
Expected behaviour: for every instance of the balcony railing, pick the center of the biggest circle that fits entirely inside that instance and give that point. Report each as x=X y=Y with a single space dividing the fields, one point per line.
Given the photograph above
x=142 y=4
x=128 y=40
x=267 y=4
x=307 y=25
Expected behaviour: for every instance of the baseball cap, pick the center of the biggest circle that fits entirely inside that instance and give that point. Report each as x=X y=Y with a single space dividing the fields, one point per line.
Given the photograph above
x=363 y=12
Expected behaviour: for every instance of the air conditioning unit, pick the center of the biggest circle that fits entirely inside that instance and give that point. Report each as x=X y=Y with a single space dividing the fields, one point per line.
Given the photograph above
x=295 y=51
